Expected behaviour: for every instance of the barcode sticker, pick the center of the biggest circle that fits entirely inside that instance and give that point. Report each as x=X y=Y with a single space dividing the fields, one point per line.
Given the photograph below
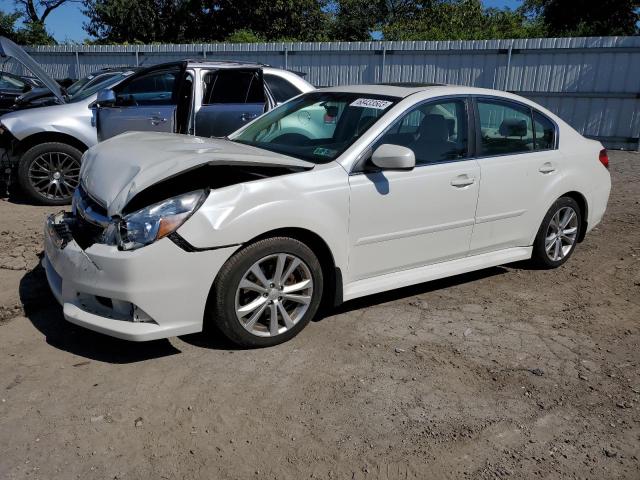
x=371 y=103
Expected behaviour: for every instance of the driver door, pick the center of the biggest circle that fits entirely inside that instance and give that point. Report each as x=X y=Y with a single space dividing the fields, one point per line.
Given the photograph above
x=145 y=102
x=406 y=219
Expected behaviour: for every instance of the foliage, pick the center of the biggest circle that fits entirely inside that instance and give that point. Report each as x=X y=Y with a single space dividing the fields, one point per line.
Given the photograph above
x=31 y=33
x=244 y=35
x=245 y=21
x=180 y=21
x=587 y=17
x=461 y=20
x=354 y=20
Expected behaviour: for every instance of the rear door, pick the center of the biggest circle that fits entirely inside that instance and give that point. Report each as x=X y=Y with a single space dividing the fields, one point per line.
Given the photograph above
x=231 y=98
x=145 y=102
x=519 y=163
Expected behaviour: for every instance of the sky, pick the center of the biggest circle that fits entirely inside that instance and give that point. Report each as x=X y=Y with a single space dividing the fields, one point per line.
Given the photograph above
x=65 y=22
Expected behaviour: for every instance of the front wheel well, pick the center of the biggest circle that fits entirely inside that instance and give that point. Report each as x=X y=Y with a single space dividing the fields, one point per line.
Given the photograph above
x=331 y=273
x=584 y=210
x=31 y=141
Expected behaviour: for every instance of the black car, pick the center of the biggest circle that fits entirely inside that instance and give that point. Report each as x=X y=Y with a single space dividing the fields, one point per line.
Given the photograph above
x=12 y=87
x=40 y=97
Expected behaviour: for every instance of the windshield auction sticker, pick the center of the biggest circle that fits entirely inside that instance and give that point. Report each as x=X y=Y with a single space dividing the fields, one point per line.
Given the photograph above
x=371 y=103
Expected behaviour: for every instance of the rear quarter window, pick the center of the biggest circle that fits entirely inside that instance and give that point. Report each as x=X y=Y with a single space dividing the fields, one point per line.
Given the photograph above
x=545 y=131
x=281 y=89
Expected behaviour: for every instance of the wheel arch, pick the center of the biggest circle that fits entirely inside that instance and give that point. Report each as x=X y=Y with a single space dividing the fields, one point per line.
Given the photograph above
x=332 y=274
x=584 y=210
x=47 y=137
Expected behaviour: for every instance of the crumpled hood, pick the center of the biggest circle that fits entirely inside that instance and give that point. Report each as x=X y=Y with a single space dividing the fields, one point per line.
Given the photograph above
x=114 y=171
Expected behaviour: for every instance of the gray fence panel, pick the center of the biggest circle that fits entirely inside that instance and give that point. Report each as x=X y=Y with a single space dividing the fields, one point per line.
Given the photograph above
x=593 y=83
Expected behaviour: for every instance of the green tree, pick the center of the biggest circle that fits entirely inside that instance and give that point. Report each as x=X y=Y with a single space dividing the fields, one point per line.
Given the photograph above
x=587 y=17
x=244 y=35
x=273 y=20
x=354 y=20
x=29 y=34
x=178 y=21
x=460 y=20
x=34 y=14
x=146 y=21
x=8 y=25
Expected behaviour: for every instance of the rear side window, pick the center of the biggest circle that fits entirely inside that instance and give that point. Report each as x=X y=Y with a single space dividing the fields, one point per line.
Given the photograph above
x=545 y=132
x=232 y=86
x=505 y=128
x=281 y=89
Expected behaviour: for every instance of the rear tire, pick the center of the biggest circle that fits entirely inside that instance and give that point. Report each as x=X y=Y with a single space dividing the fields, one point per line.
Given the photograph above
x=277 y=276
x=50 y=172
x=558 y=234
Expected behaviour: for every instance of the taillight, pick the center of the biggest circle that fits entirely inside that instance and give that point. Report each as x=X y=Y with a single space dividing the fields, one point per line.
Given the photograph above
x=604 y=158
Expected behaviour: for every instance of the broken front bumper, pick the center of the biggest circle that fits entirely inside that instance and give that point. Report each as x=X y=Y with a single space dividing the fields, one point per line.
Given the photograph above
x=157 y=291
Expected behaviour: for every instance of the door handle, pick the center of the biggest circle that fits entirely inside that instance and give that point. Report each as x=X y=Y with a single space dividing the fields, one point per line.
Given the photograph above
x=462 y=181
x=157 y=120
x=547 y=168
x=245 y=117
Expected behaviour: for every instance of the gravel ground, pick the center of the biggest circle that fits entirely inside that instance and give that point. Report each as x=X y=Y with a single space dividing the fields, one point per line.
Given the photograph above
x=505 y=373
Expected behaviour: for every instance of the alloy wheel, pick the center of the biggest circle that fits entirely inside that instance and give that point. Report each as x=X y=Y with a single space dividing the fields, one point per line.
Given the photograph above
x=562 y=233
x=274 y=294
x=54 y=175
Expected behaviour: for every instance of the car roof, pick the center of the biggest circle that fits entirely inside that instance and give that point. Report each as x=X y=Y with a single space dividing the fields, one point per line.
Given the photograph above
x=402 y=90
x=223 y=63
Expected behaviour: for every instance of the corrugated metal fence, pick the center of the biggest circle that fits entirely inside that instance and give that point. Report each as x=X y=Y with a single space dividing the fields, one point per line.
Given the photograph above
x=593 y=83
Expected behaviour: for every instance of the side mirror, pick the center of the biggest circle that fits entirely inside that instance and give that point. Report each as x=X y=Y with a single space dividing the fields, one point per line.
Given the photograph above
x=106 y=98
x=393 y=157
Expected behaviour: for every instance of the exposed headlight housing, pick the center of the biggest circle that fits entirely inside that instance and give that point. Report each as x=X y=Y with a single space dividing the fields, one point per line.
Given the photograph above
x=156 y=221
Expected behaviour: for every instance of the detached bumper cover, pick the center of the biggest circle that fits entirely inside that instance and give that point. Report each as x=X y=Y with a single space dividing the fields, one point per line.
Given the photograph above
x=154 y=292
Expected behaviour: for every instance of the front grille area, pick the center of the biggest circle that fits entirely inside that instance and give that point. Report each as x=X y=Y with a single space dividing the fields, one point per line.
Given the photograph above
x=90 y=222
x=85 y=233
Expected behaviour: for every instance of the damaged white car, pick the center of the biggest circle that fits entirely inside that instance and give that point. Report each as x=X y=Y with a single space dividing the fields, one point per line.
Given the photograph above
x=336 y=194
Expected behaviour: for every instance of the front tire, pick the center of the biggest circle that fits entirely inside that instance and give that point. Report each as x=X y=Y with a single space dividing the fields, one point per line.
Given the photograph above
x=50 y=172
x=267 y=292
x=558 y=234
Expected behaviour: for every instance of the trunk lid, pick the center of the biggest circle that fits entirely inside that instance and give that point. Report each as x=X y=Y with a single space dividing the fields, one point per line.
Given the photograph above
x=116 y=170
x=8 y=49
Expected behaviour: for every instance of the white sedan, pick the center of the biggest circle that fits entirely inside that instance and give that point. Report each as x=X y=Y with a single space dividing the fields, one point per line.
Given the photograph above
x=336 y=194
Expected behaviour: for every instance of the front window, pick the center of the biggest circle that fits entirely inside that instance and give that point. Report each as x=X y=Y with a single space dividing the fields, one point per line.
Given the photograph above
x=101 y=85
x=435 y=132
x=318 y=126
x=154 y=88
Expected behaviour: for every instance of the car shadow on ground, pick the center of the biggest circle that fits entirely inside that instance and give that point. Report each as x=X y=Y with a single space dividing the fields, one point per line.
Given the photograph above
x=44 y=312
x=15 y=195
x=411 y=291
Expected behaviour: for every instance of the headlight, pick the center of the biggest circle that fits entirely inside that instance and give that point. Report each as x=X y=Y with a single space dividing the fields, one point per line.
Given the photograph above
x=159 y=220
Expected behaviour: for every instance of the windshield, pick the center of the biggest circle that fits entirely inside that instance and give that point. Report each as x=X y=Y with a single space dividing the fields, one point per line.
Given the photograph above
x=317 y=126
x=75 y=87
x=105 y=83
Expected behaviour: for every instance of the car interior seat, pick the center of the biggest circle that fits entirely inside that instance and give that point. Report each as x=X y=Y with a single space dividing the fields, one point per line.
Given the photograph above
x=432 y=144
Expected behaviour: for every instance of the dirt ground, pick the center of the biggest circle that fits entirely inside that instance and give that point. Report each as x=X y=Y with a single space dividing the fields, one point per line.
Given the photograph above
x=504 y=373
